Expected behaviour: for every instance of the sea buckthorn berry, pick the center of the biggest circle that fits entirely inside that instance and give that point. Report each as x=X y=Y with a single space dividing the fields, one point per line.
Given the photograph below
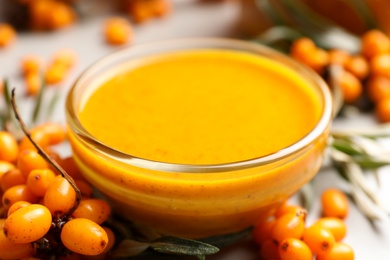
x=84 y=236
x=374 y=42
x=29 y=160
x=141 y=10
x=350 y=86
x=301 y=47
x=96 y=210
x=11 y=250
x=55 y=73
x=39 y=180
x=269 y=249
x=5 y=167
x=8 y=147
x=31 y=65
x=69 y=165
x=291 y=225
x=319 y=239
x=294 y=249
x=28 y=224
x=117 y=31
x=334 y=225
x=55 y=132
x=7 y=35
x=340 y=251
x=85 y=188
x=334 y=203
x=378 y=87
x=18 y=193
x=337 y=56
x=111 y=239
x=60 y=15
x=262 y=231
x=17 y=205
x=358 y=66
x=380 y=65
x=12 y=178
x=382 y=110
x=39 y=138
x=285 y=209
x=60 y=196
x=33 y=84
x=66 y=57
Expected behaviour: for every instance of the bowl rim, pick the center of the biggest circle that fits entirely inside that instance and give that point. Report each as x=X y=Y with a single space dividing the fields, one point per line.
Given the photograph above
x=227 y=43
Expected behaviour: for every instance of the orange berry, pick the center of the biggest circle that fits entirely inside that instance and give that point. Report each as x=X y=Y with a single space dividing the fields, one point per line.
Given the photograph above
x=378 y=87
x=285 y=209
x=291 y=225
x=18 y=193
x=382 y=110
x=11 y=178
x=66 y=57
x=380 y=65
x=17 y=205
x=334 y=203
x=111 y=239
x=337 y=56
x=55 y=132
x=358 y=66
x=60 y=197
x=319 y=239
x=350 y=86
x=9 y=148
x=55 y=73
x=69 y=165
x=374 y=42
x=96 y=210
x=38 y=136
x=60 y=15
x=5 y=167
x=31 y=65
x=85 y=188
x=29 y=160
x=11 y=250
x=269 y=249
x=33 y=84
x=141 y=11
x=339 y=251
x=334 y=225
x=7 y=35
x=117 y=31
x=305 y=51
x=301 y=47
x=39 y=180
x=262 y=231
x=84 y=236
x=294 y=249
x=28 y=224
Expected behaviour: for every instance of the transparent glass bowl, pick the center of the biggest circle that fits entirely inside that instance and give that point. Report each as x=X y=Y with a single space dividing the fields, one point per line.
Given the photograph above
x=195 y=201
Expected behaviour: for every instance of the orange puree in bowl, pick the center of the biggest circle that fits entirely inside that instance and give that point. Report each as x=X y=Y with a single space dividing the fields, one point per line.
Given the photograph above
x=201 y=107
x=213 y=109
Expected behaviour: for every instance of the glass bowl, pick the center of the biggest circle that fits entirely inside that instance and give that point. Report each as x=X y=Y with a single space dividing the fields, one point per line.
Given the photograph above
x=195 y=201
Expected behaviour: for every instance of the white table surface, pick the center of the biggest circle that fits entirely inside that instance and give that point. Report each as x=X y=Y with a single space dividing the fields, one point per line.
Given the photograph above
x=191 y=19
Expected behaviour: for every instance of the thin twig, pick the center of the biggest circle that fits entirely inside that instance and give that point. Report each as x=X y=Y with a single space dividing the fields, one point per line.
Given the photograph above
x=46 y=156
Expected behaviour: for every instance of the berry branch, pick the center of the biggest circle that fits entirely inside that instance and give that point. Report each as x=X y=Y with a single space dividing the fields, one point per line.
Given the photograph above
x=46 y=156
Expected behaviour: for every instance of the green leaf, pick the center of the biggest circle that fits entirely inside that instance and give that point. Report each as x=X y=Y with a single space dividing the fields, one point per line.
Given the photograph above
x=129 y=248
x=181 y=246
x=368 y=162
x=38 y=102
x=348 y=147
x=228 y=239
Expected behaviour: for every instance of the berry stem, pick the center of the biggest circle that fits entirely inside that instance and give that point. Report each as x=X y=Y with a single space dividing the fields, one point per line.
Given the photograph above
x=46 y=156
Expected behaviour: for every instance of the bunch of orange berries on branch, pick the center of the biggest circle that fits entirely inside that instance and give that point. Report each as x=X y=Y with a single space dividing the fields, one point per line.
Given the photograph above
x=365 y=77
x=286 y=234
x=47 y=209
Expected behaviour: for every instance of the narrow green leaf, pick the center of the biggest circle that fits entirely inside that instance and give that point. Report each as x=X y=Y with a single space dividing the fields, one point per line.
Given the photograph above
x=368 y=162
x=347 y=147
x=228 y=239
x=129 y=248
x=181 y=246
x=38 y=102
x=52 y=104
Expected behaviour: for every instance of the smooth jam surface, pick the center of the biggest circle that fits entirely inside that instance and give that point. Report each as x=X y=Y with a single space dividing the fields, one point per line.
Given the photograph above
x=202 y=107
